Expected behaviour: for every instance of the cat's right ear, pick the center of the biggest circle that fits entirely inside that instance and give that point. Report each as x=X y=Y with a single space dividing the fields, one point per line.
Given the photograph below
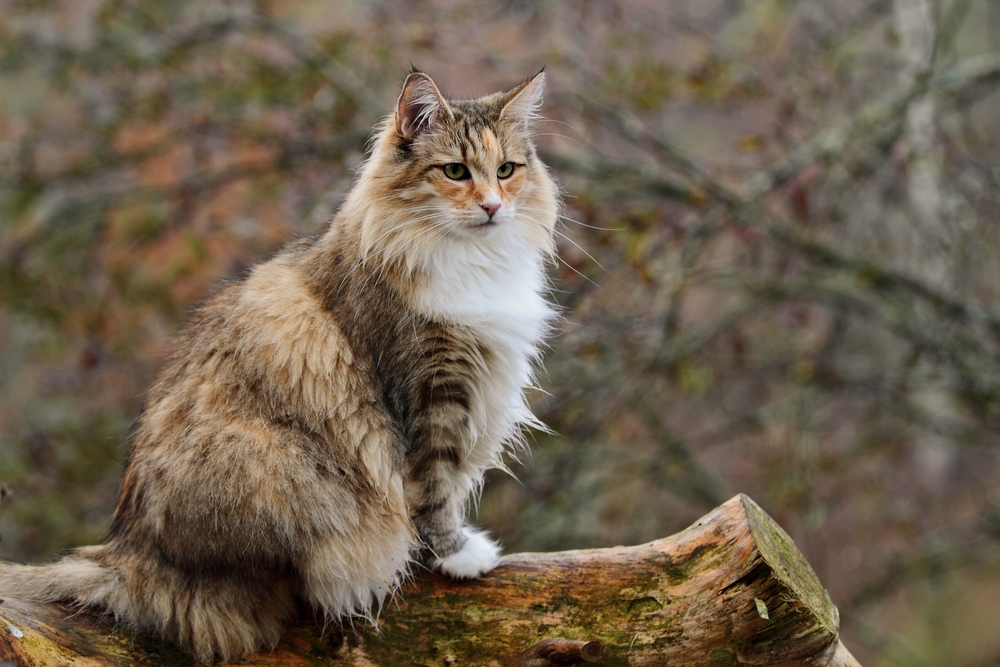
x=420 y=105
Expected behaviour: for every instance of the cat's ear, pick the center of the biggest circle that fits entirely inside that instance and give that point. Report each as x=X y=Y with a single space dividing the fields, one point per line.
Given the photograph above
x=524 y=101
x=419 y=107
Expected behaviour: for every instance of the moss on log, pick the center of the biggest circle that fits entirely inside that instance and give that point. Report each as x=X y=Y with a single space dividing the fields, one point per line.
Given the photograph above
x=730 y=590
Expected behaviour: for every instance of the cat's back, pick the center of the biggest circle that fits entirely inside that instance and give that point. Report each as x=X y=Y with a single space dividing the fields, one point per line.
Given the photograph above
x=263 y=353
x=251 y=429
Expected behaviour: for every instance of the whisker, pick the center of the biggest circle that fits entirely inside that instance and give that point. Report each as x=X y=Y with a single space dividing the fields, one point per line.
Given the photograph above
x=561 y=136
x=560 y=122
x=569 y=219
x=567 y=264
x=579 y=247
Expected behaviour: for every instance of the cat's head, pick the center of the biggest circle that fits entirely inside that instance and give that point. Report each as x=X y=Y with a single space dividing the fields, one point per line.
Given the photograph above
x=459 y=175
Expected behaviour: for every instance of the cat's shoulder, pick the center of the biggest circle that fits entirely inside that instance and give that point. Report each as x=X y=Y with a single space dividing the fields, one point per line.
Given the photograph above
x=273 y=302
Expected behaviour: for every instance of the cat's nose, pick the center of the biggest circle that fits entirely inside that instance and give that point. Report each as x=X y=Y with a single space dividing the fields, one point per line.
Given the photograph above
x=491 y=208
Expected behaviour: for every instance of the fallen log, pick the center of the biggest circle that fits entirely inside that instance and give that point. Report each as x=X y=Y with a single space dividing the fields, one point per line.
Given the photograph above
x=730 y=590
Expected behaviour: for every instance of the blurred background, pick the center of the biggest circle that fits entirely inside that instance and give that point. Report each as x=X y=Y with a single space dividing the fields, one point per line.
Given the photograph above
x=780 y=260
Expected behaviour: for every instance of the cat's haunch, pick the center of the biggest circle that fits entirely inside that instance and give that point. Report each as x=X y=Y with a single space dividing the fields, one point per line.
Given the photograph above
x=326 y=420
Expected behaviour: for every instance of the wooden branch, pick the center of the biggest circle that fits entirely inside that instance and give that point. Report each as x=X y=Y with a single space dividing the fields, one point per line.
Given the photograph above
x=730 y=590
x=559 y=651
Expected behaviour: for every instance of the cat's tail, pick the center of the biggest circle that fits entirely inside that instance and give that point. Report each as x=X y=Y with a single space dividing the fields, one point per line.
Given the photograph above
x=212 y=617
x=79 y=577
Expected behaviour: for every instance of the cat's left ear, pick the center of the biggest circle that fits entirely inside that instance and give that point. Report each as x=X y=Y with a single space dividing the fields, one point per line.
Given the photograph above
x=419 y=106
x=525 y=100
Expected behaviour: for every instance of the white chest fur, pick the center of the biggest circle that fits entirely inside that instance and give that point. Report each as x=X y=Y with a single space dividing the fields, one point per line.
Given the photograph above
x=500 y=299
x=497 y=294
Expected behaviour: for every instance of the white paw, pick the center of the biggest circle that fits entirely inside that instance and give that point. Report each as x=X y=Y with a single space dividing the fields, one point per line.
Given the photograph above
x=479 y=555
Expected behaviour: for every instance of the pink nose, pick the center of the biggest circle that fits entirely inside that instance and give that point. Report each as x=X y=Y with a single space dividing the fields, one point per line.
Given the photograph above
x=491 y=208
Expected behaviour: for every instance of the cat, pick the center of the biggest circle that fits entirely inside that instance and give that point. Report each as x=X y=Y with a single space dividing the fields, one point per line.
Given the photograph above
x=325 y=421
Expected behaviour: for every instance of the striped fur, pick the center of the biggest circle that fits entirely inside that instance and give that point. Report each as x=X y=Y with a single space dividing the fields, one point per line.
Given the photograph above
x=329 y=418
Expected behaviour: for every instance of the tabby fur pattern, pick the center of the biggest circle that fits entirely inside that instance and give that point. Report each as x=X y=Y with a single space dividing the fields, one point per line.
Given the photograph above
x=328 y=418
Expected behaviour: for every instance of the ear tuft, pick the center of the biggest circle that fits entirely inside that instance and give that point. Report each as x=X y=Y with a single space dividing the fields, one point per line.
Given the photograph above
x=525 y=101
x=419 y=106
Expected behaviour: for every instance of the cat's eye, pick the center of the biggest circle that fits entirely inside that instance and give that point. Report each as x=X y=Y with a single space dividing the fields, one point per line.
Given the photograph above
x=456 y=171
x=505 y=170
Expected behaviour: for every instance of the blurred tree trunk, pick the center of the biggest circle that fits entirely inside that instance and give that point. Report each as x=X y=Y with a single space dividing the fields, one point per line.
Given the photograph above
x=730 y=590
x=917 y=29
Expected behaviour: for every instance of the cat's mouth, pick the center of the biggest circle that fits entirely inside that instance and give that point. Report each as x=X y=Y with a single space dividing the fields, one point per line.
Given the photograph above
x=484 y=225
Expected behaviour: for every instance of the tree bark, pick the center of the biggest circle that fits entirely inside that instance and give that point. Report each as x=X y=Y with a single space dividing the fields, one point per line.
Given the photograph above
x=730 y=590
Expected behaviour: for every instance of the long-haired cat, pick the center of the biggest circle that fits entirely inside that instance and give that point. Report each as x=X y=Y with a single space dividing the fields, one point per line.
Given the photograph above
x=328 y=418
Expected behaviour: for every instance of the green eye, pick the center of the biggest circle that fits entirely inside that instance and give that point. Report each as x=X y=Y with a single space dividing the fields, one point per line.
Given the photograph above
x=456 y=171
x=505 y=170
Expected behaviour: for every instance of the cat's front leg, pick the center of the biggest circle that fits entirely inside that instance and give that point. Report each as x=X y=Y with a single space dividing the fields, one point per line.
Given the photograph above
x=438 y=491
x=456 y=549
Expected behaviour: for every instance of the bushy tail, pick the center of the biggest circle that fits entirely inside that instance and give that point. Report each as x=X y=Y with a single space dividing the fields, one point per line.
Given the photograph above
x=216 y=618
x=79 y=578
